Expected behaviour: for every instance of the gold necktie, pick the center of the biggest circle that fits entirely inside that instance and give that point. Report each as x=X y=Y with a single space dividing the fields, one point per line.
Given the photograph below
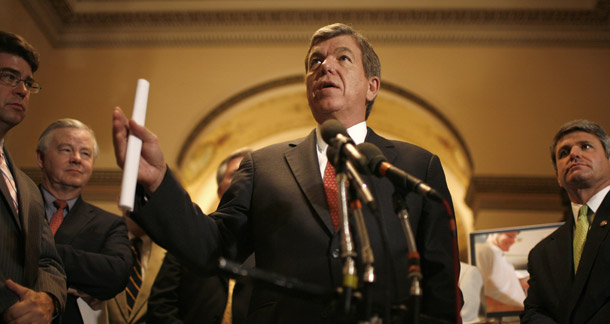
x=580 y=234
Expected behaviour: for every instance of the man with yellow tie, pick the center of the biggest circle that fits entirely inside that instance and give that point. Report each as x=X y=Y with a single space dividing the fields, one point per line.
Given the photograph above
x=569 y=281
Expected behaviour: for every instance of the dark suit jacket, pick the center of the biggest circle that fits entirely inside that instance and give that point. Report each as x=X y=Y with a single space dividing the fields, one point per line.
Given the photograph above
x=181 y=295
x=277 y=208
x=28 y=254
x=96 y=253
x=555 y=294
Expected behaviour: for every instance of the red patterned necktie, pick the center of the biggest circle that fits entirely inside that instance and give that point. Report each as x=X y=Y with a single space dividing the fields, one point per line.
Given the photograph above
x=58 y=217
x=330 y=187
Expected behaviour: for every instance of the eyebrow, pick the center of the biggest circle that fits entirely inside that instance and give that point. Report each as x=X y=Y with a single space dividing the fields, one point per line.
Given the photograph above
x=337 y=50
x=9 y=69
x=559 y=148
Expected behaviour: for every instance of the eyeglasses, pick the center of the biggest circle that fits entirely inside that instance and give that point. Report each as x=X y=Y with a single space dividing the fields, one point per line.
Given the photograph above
x=11 y=78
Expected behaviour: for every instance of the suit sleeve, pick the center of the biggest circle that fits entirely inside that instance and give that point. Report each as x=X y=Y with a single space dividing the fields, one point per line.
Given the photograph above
x=534 y=311
x=438 y=251
x=100 y=274
x=164 y=300
x=51 y=276
x=178 y=225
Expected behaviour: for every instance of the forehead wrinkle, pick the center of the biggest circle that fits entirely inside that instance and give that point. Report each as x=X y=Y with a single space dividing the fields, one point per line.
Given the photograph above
x=339 y=49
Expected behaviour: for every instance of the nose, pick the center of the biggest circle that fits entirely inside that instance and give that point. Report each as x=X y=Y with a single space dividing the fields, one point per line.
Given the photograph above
x=75 y=158
x=328 y=66
x=575 y=152
x=21 y=89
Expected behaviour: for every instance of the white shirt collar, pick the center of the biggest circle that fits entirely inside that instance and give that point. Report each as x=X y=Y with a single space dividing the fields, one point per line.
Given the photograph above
x=593 y=203
x=356 y=132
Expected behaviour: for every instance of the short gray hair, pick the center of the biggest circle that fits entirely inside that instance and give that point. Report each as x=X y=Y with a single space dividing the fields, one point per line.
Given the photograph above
x=45 y=138
x=580 y=125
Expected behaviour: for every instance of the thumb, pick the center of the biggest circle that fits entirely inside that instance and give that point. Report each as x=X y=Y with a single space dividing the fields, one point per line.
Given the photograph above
x=17 y=288
x=140 y=131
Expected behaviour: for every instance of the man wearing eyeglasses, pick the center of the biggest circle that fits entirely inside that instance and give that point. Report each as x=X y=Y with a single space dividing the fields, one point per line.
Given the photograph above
x=32 y=279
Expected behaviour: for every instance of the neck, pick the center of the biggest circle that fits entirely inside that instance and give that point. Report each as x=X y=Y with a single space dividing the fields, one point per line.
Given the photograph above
x=583 y=195
x=62 y=192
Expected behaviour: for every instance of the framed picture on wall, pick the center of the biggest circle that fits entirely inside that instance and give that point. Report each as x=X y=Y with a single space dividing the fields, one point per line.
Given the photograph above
x=501 y=256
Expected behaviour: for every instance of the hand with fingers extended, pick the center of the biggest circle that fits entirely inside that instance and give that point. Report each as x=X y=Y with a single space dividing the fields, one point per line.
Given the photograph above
x=152 y=165
x=32 y=307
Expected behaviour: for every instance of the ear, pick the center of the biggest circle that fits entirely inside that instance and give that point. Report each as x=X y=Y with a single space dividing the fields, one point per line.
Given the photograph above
x=374 y=85
x=39 y=158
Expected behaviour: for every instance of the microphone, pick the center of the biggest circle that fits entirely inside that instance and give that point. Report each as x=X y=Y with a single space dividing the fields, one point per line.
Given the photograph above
x=361 y=187
x=335 y=135
x=380 y=166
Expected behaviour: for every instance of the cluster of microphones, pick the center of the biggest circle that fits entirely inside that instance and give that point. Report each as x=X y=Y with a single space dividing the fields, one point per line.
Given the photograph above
x=368 y=158
x=352 y=160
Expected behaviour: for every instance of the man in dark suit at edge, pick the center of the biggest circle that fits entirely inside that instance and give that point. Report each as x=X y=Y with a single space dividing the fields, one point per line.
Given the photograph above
x=276 y=204
x=32 y=280
x=91 y=242
x=569 y=280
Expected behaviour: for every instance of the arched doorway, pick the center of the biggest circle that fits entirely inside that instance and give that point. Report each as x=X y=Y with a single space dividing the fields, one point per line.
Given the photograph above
x=276 y=111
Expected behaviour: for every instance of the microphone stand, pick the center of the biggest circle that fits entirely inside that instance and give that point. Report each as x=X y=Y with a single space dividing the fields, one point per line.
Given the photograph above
x=414 y=274
x=350 y=277
x=366 y=251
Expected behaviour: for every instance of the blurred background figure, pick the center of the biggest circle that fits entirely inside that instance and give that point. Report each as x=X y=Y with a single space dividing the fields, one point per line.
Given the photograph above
x=131 y=305
x=180 y=295
x=504 y=291
x=471 y=284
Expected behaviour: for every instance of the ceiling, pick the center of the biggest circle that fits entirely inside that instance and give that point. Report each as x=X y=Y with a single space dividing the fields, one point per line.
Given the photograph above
x=104 y=23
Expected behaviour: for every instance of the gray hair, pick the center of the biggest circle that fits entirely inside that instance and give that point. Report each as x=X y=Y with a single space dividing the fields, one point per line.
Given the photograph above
x=370 y=60
x=222 y=168
x=580 y=125
x=45 y=138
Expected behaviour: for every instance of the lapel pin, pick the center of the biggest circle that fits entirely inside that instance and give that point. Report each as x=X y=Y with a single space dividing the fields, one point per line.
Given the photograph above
x=603 y=223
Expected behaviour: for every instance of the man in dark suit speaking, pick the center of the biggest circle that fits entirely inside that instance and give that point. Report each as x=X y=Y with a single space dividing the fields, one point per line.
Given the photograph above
x=569 y=281
x=32 y=280
x=91 y=242
x=276 y=205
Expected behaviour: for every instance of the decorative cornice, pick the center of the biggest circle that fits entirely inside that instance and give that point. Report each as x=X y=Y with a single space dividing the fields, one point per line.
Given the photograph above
x=66 y=26
x=516 y=193
x=104 y=185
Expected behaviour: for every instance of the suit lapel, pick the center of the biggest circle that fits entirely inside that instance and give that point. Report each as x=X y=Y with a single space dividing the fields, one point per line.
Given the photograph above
x=6 y=193
x=157 y=254
x=303 y=162
x=596 y=235
x=387 y=147
x=121 y=302
x=78 y=216
x=28 y=205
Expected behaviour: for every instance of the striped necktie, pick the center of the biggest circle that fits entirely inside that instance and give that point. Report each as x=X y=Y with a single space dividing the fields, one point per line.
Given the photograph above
x=135 y=279
x=580 y=234
x=10 y=182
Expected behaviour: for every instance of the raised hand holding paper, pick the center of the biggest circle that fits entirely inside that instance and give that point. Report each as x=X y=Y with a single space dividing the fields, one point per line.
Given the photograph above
x=134 y=147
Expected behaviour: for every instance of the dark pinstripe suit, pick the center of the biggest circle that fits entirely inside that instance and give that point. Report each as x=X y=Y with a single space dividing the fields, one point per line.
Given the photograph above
x=28 y=253
x=277 y=208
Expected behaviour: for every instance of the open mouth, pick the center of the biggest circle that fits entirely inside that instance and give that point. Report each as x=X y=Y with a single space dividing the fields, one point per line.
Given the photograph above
x=326 y=85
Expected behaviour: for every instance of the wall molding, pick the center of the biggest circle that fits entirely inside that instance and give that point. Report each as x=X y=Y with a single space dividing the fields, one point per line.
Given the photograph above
x=81 y=23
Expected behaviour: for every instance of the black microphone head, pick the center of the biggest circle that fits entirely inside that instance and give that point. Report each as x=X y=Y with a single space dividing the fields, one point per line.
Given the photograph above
x=332 y=153
x=374 y=156
x=330 y=128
